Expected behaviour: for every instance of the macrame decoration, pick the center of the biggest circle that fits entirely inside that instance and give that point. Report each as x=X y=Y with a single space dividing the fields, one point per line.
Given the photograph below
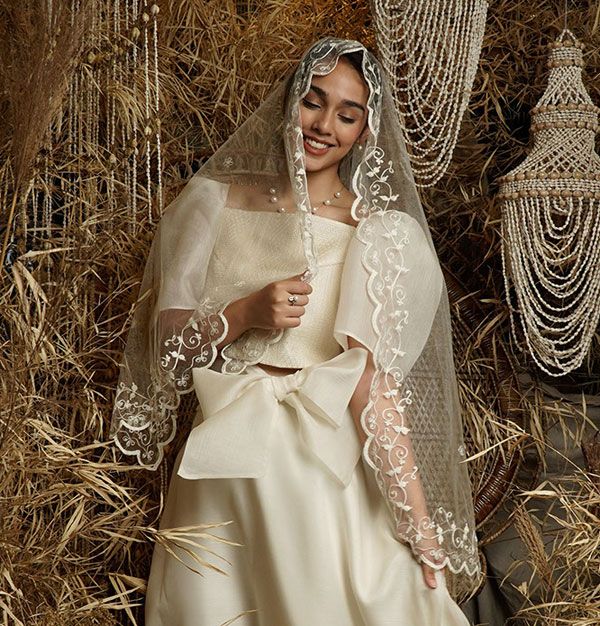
x=430 y=51
x=551 y=220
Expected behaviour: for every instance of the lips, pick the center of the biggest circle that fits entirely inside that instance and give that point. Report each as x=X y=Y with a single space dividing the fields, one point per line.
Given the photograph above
x=315 y=147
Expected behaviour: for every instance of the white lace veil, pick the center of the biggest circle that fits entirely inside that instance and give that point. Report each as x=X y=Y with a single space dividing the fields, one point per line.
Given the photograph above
x=393 y=300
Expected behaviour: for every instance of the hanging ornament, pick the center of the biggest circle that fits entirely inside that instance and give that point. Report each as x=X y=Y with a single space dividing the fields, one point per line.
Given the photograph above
x=551 y=220
x=430 y=50
x=151 y=90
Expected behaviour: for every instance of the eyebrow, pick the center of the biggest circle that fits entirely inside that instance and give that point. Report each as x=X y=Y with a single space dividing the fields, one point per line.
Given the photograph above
x=349 y=103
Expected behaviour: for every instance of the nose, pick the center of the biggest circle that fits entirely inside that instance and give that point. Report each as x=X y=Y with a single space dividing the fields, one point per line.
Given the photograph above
x=322 y=123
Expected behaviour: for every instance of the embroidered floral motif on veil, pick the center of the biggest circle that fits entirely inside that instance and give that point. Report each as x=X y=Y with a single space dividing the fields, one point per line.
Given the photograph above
x=144 y=421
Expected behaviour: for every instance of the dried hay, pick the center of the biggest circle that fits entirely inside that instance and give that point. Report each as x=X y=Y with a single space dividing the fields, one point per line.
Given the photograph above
x=39 y=46
x=558 y=524
x=76 y=527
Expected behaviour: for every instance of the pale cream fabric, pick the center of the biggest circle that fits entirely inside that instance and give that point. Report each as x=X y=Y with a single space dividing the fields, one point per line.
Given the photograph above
x=422 y=284
x=254 y=248
x=227 y=444
x=314 y=552
x=280 y=457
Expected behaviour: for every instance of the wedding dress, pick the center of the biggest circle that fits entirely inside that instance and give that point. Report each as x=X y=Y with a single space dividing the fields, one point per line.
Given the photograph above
x=279 y=457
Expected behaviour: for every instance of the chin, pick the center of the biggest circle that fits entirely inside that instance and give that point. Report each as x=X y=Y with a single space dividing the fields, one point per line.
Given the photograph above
x=315 y=164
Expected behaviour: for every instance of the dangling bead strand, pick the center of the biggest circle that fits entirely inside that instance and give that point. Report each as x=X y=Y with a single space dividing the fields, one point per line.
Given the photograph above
x=274 y=199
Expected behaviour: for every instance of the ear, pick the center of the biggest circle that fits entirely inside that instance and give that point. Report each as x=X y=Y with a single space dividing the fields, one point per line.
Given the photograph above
x=362 y=138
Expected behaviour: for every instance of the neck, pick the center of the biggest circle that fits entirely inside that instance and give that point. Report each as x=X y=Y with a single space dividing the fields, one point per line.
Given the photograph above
x=323 y=184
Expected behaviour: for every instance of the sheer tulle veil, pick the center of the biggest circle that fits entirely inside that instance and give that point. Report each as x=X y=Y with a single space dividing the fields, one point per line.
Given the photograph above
x=393 y=300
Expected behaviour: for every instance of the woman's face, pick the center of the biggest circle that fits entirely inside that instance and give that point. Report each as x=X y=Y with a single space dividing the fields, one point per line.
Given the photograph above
x=333 y=116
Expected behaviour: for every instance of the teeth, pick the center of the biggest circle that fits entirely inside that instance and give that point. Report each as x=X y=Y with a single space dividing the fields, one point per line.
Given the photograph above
x=316 y=144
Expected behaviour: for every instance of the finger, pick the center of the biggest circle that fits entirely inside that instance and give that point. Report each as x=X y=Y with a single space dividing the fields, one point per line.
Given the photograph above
x=296 y=286
x=290 y=322
x=295 y=311
x=304 y=276
x=300 y=300
x=429 y=576
x=295 y=278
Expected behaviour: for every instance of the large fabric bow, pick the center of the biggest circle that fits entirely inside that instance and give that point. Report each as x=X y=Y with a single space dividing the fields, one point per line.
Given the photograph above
x=235 y=436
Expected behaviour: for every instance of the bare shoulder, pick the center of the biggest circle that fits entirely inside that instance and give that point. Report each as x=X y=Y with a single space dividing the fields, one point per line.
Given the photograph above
x=243 y=196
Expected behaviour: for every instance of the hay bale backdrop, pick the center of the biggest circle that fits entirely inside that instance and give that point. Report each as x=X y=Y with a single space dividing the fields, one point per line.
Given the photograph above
x=76 y=146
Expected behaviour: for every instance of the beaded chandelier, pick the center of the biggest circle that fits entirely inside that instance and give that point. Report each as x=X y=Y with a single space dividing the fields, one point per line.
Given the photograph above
x=551 y=220
x=430 y=51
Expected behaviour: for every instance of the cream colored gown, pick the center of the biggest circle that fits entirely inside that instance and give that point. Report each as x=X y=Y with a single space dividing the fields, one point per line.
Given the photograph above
x=279 y=456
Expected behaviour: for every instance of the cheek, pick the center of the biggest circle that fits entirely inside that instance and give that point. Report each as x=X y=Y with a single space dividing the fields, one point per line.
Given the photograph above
x=350 y=133
x=306 y=117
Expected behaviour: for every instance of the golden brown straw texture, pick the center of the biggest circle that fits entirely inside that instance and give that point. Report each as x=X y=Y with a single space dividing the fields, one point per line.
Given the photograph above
x=38 y=47
x=77 y=524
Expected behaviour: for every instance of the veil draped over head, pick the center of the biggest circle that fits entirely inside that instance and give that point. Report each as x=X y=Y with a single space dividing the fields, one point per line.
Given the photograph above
x=393 y=300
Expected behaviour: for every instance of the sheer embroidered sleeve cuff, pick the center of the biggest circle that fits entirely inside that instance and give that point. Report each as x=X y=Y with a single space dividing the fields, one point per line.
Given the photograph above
x=144 y=417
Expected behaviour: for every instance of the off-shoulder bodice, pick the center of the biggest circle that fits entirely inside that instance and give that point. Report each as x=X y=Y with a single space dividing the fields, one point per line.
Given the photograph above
x=254 y=248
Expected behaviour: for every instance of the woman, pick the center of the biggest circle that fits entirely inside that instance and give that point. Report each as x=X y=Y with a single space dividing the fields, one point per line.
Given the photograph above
x=294 y=286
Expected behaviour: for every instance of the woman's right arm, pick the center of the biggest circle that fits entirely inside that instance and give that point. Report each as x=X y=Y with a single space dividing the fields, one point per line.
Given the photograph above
x=189 y=338
x=266 y=308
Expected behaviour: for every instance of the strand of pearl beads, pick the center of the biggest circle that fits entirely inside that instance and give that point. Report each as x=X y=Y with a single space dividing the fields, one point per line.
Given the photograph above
x=274 y=200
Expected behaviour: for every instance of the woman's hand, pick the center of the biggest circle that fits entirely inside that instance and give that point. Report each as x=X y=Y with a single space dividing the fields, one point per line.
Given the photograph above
x=270 y=308
x=427 y=570
x=429 y=575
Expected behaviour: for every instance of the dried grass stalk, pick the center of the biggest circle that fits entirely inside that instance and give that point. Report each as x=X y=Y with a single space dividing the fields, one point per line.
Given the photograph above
x=39 y=43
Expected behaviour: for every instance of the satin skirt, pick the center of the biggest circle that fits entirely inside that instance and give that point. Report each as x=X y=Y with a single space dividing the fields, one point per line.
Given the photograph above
x=317 y=542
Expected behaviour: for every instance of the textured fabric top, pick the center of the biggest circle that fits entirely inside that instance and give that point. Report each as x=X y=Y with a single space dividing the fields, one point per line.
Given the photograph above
x=254 y=248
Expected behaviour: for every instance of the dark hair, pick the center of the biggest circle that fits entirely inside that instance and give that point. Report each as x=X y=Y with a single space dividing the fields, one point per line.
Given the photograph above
x=354 y=58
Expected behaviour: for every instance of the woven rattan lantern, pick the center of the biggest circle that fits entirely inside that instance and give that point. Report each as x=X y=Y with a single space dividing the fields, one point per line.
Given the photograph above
x=550 y=220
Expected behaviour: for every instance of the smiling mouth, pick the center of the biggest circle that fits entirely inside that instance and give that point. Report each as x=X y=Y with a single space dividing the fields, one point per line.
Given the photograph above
x=314 y=146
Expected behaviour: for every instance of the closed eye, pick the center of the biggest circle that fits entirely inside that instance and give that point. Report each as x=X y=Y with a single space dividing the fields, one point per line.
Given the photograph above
x=310 y=105
x=347 y=120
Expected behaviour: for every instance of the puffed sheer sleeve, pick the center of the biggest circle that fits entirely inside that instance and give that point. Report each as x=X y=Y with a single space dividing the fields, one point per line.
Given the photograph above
x=392 y=317
x=418 y=288
x=175 y=326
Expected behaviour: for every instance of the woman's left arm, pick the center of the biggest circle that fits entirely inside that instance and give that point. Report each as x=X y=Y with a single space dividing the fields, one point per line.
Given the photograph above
x=413 y=490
